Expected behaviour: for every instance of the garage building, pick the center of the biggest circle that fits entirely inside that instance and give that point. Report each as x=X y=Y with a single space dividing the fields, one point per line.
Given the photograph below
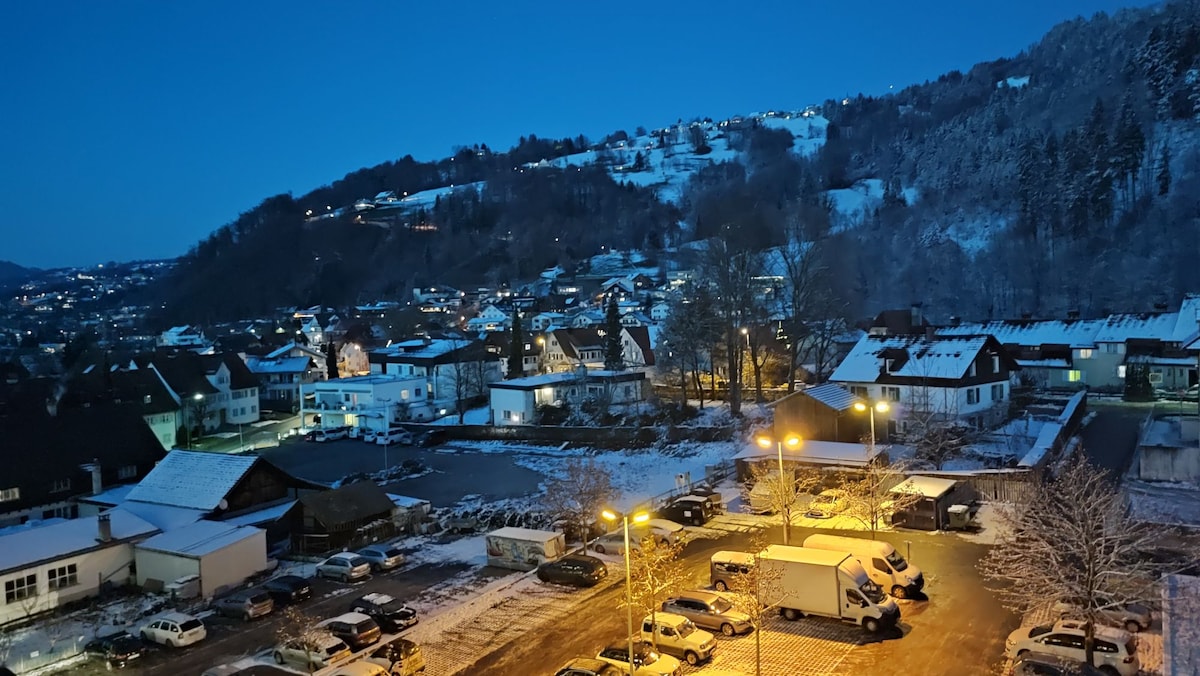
x=222 y=555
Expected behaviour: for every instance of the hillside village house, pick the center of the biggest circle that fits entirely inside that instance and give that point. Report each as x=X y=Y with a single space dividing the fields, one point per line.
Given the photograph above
x=490 y=318
x=212 y=390
x=568 y=349
x=183 y=336
x=98 y=385
x=515 y=402
x=963 y=378
x=1096 y=353
x=444 y=363
x=281 y=372
x=365 y=402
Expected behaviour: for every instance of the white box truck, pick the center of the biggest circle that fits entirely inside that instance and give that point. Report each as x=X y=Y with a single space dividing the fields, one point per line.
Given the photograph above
x=802 y=581
x=523 y=548
x=884 y=565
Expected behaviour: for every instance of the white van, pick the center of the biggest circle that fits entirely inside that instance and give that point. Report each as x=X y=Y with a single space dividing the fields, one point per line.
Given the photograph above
x=884 y=565
x=394 y=435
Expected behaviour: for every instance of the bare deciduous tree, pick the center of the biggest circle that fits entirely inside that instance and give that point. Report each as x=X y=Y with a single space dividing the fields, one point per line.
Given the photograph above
x=579 y=493
x=782 y=497
x=757 y=593
x=301 y=630
x=871 y=500
x=1076 y=540
x=655 y=572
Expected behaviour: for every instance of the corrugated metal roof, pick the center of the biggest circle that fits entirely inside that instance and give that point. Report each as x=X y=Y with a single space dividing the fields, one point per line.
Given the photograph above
x=832 y=395
x=193 y=479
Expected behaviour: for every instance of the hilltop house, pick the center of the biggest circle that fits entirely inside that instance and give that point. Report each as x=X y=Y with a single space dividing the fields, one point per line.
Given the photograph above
x=964 y=378
x=183 y=336
x=490 y=318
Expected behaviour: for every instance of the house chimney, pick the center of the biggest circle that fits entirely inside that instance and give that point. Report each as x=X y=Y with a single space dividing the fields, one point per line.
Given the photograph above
x=1160 y=307
x=97 y=477
x=1026 y=315
x=104 y=526
x=955 y=320
x=1072 y=315
x=915 y=316
x=930 y=332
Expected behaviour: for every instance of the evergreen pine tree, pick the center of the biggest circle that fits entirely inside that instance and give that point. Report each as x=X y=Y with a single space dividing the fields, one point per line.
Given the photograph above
x=516 y=349
x=1164 y=170
x=614 y=359
x=331 y=367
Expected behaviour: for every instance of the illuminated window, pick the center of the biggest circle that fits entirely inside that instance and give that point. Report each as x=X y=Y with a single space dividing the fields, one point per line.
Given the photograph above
x=1121 y=371
x=1074 y=376
x=9 y=494
x=1085 y=354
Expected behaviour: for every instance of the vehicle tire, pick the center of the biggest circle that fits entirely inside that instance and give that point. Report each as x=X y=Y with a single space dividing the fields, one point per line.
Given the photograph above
x=245 y=617
x=599 y=549
x=1021 y=653
x=1132 y=626
x=171 y=643
x=790 y=614
x=727 y=629
x=690 y=657
x=899 y=592
x=146 y=637
x=721 y=586
x=1109 y=670
x=346 y=578
x=871 y=624
x=278 y=657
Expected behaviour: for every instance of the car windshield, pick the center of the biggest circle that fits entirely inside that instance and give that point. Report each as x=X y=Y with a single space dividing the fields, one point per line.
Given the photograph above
x=359 y=561
x=721 y=605
x=685 y=629
x=191 y=624
x=873 y=592
x=823 y=500
x=391 y=552
x=124 y=643
x=259 y=597
x=334 y=648
x=391 y=606
x=1039 y=630
x=364 y=626
x=897 y=561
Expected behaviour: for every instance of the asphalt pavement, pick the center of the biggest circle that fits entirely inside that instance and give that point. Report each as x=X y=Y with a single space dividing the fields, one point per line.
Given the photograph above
x=1111 y=438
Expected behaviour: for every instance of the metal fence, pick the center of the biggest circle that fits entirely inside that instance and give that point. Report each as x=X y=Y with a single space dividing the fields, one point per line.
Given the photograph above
x=713 y=474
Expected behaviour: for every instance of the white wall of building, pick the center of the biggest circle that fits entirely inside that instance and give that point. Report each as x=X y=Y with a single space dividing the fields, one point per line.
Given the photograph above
x=512 y=407
x=110 y=564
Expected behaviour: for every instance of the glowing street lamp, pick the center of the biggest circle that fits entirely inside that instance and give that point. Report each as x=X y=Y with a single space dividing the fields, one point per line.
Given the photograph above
x=640 y=517
x=792 y=441
x=881 y=406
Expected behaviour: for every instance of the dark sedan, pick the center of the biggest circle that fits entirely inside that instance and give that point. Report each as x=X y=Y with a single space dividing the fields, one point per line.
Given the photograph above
x=288 y=589
x=575 y=570
x=117 y=650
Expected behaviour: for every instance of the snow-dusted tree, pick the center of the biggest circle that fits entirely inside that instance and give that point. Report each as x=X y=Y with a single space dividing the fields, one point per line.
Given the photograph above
x=869 y=494
x=782 y=497
x=935 y=442
x=691 y=327
x=757 y=593
x=805 y=291
x=655 y=572
x=301 y=630
x=1077 y=540
x=467 y=377
x=731 y=268
x=579 y=493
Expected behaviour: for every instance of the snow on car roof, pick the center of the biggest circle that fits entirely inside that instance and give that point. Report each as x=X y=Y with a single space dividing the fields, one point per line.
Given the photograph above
x=377 y=598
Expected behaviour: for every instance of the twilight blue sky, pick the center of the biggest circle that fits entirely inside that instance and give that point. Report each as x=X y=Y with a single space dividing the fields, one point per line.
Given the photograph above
x=133 y=129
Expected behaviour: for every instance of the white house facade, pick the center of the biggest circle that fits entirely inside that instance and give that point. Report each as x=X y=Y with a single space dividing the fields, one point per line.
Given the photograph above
x=515 y=402
x=371 y=401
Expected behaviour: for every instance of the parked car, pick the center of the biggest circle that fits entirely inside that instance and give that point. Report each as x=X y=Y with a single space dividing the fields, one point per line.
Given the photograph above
x=401 y=657
x=1133 y=617
x=646 y=661
x=708 y=610
x=575 y=569
x=431 y=438
x=614 y=542
x=391 y=614
x=1115 y=649
x=370 y=435
x=1041 y=664
x=828 y=503
x=331 y=434
x=711 y=493
x=395 y=435
x=173 y=629
x=319 y=653
x=288 y=589
x=361 y=668
x=665 y=530
x=346 y=567
x=356 y=629
x=678 y=637
x=689 y=509
x=382 y=557
x=588 y=666
x=726 y=566
x=116 y=650
x=246 y=604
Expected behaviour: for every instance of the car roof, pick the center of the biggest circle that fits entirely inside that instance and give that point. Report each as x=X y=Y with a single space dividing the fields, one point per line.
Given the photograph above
x=666 y=618
x=377 y=598
x=343 y=555
x=174 y=617
x=351 y=617
x=665 y=523
x=1101 y=631
x=699 y=595
x=589 y=663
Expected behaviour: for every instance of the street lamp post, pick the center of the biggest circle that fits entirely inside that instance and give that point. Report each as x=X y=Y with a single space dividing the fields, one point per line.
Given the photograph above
x=640 y=517
x=387 y=428
x=881 y=406
x=193 y=410
x=792 y=442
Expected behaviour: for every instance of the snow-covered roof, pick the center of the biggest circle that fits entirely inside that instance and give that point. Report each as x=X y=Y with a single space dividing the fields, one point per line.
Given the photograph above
x=56 y=541
x=832 y=395
x=163 y=517
x=1119 y=328
x=193 y=479
x=946 y=357
x=293 y=346
x=200 y=538
x=525 y=534
x=113 y=496
x=816 y=452
x=278 y=364
x=928 y=486
x=1187 y=326
x=1043 y=363
x=420 y=349
x=1078 y=333
x=258 y=516
x=405 y=502
x=534 y=382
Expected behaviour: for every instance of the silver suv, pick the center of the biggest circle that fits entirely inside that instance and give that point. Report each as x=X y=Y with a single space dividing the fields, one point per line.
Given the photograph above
x=708 y=610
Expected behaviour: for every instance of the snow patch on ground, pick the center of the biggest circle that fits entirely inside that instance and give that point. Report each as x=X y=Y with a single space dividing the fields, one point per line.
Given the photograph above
x=1165 y=503
x=994 y=525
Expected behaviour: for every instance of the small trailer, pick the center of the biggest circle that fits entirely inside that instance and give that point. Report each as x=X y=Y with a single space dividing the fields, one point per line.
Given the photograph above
x=523 y=548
